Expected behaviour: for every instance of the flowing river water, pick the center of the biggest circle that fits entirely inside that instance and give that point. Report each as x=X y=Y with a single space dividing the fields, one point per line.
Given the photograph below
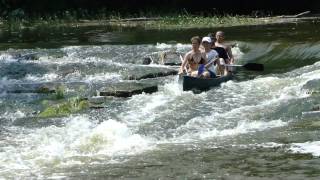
x=252 y=127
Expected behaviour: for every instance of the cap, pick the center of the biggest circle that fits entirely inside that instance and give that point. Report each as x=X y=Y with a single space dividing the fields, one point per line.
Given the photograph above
x=206 y=39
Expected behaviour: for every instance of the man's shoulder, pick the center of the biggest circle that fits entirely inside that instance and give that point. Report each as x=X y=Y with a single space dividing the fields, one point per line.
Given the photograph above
x=212 y=51
x=188 y=54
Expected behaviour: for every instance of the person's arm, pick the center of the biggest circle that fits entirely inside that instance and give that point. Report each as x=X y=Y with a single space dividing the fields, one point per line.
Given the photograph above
x=184 y=63
x=229 y=52
x=212 y=62
x=214 y=59
x=204 y=56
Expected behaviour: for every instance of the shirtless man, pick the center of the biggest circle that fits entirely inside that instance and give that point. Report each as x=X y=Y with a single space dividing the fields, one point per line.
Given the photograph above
x=193 y=58
x=222 y=55
x=220 y=43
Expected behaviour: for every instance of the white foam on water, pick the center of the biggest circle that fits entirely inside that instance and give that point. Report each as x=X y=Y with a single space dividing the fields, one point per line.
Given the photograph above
x=13 y=115
x=71 y=50
x=178 y=46
x=146 y=108
x=306 y=148
x=146 y=105
x=242 y=127
x=172 y=88
x=41 y=77
x=236 y=52
x=268 y=145
x=57 y=147
x=5 y=57
x=164 y=46
x=102 y=77
x=261 y=145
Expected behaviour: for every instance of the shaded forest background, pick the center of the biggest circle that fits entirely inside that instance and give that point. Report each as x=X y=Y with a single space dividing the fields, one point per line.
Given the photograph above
x=136 y=8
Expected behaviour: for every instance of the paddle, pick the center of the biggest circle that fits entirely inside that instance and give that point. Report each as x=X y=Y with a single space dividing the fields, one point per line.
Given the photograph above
x=249 y=66
x=201 y=69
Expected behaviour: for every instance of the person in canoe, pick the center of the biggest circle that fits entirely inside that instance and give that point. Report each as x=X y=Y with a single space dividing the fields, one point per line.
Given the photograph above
x=212 y=57
x=221 y=43
x=195 y=60
x=223 y=57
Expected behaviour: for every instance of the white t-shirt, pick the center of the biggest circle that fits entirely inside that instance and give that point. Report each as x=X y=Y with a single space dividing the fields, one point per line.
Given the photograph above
x=212 y=55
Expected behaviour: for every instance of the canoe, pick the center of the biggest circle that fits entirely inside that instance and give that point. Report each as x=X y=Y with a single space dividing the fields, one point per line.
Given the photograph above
x=194 y=83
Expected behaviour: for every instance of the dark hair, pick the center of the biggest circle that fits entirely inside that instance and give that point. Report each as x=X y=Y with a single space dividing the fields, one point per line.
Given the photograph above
x=220 y=32
x=211 y=35
x=196 y=38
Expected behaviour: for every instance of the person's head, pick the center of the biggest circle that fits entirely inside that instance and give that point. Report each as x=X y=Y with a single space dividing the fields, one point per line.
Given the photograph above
x=211 y=35
x=195 y=41
x=220 y=36
x=206 y=42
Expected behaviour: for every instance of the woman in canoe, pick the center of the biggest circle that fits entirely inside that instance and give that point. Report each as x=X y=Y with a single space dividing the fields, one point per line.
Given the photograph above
x=195 y=59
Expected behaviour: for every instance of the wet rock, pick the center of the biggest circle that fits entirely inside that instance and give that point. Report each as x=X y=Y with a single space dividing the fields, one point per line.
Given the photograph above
x=146 y=61
x=32 y=88
x=97 y=99
x=128 y=89
x=312 y=87
x=170 y=58
x=152 y=73
x=311 y=114
x=29 y=56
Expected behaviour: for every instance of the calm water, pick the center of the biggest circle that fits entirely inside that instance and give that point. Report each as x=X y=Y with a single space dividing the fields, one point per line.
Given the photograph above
x=252 y=128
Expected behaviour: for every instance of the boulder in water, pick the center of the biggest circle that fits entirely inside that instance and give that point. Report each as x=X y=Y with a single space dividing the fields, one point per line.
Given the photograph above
x=128 y=89
x=312 y=87
x=151 y=72
x=146 y=60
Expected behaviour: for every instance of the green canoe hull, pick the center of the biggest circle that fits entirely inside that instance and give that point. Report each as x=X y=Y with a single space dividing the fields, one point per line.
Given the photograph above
x=194 y=83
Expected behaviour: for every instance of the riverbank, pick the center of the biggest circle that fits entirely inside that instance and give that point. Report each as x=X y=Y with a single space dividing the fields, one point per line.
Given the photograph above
x=166 y=22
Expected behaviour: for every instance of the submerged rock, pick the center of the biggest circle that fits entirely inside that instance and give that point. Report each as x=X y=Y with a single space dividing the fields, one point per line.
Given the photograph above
x=97 y=99
x=168 y=58
x=152 y=73
x=311 y=114
x=146 y=61
x=312 y=87
x=128 y=89
x=31 y=88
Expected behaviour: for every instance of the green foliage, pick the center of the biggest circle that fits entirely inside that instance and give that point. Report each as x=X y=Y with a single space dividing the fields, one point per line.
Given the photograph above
x=59 y=92
x=18 y=19
x=72 y=105
x=191 y=21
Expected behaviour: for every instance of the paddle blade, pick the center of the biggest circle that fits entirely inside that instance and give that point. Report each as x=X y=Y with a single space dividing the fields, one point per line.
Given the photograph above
x=200 y=69
x=254 y=66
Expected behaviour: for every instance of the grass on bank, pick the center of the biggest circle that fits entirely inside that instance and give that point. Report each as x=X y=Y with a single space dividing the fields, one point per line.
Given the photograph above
x=171 y=21
x=187 y=21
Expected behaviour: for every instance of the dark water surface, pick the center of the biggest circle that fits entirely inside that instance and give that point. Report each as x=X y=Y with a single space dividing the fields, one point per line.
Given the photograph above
x=252 y=128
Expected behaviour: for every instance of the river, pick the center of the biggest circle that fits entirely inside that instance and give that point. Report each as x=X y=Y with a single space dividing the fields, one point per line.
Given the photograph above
x=249 y=128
